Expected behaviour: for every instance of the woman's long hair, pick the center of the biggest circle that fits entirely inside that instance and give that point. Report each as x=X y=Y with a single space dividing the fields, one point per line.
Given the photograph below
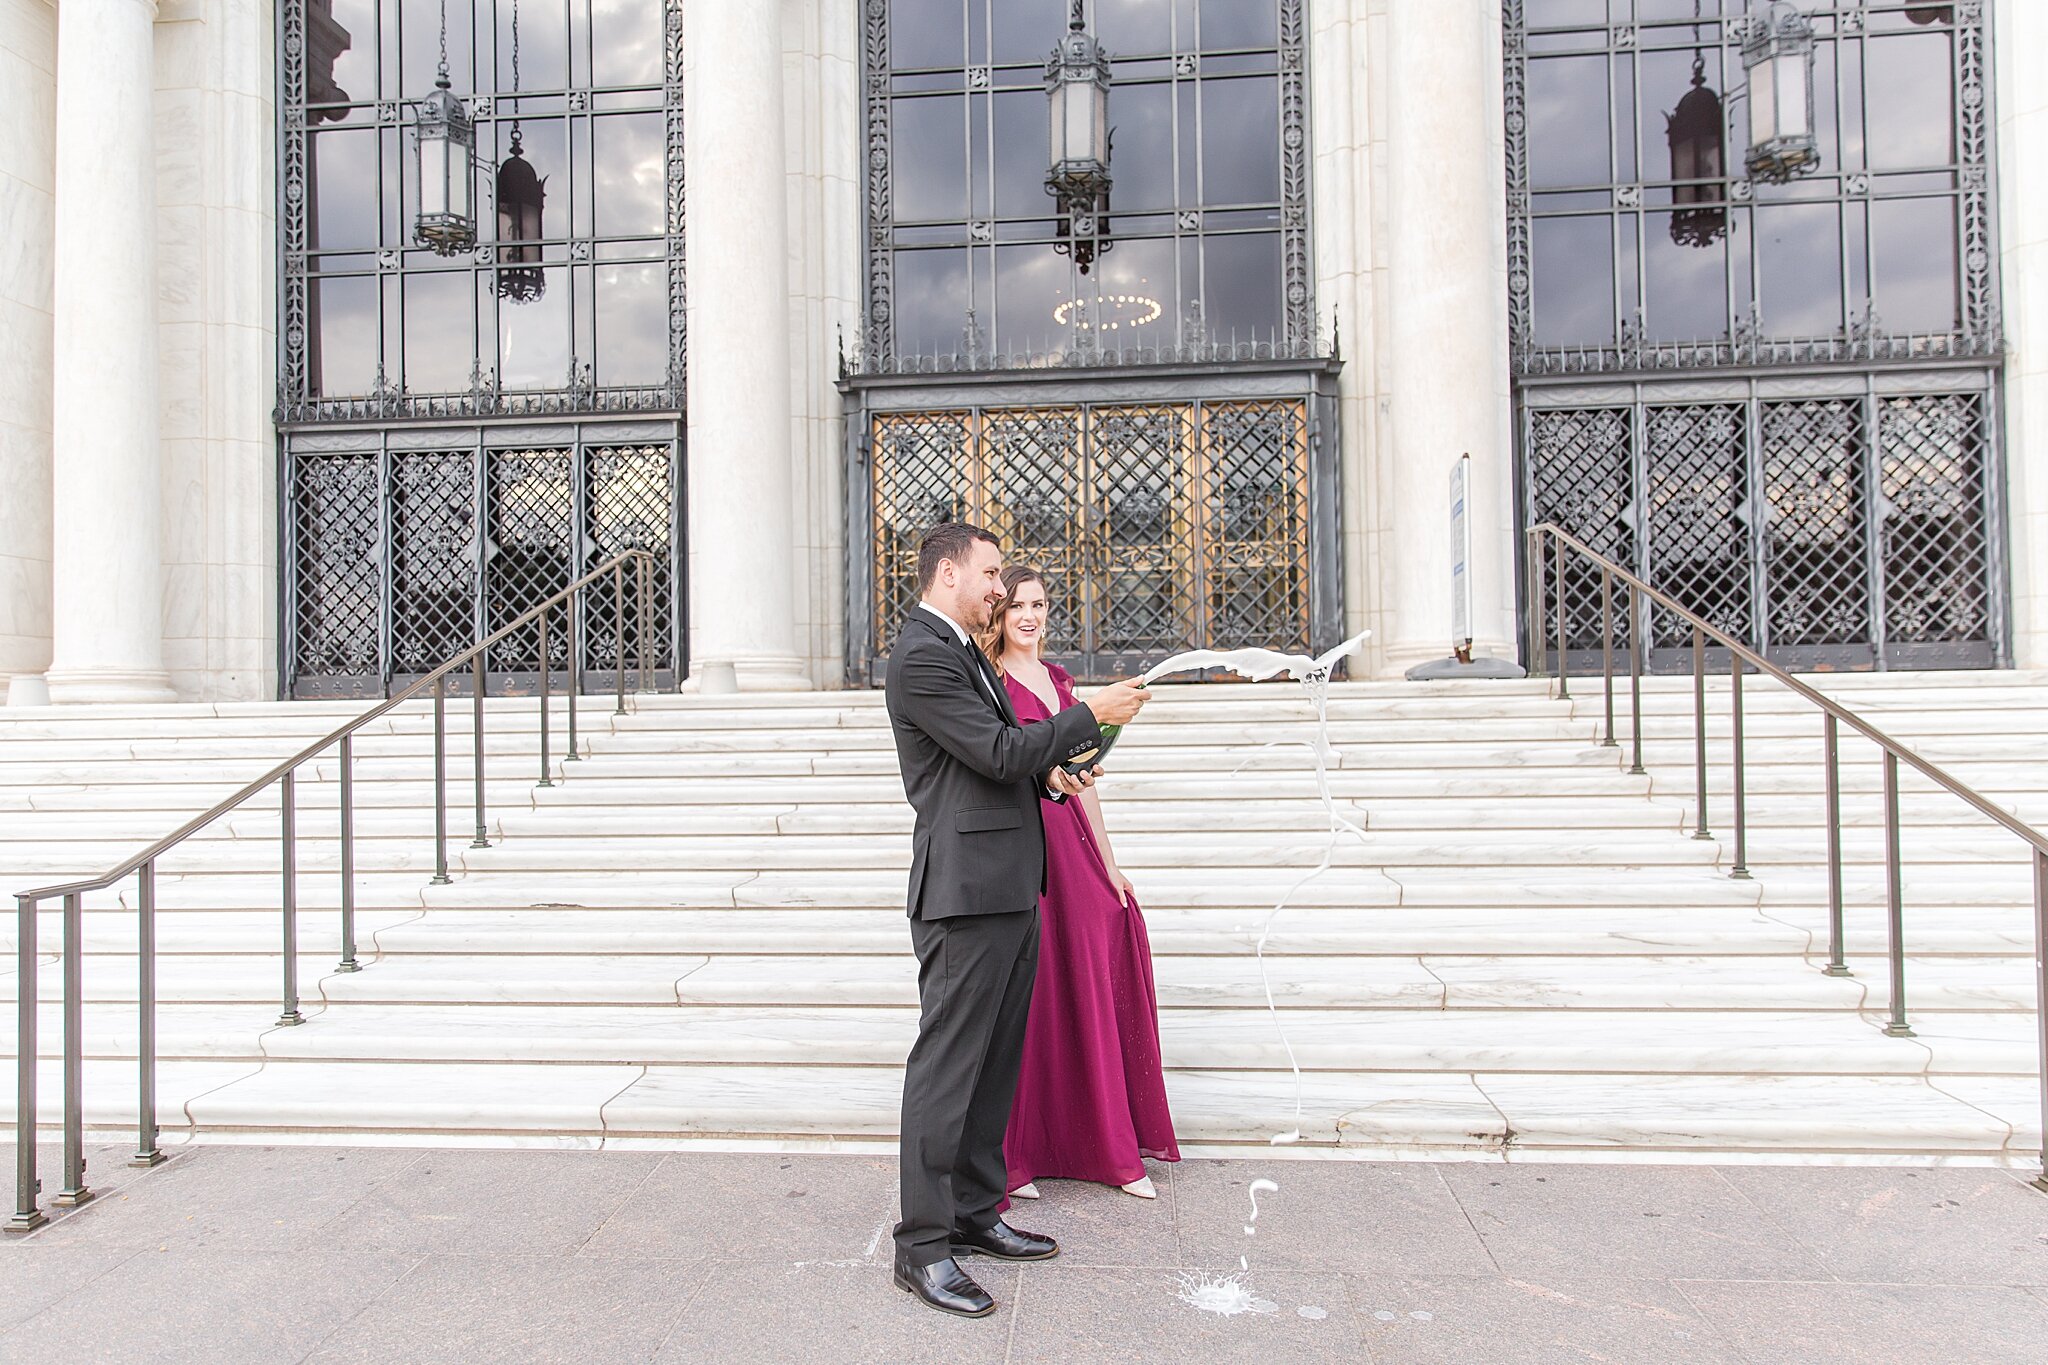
x=1014 y=577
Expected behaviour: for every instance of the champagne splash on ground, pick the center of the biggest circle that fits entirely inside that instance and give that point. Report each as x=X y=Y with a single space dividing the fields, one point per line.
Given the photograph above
x=1227 y=1295
x=1314 y=677
x=1249 y=1229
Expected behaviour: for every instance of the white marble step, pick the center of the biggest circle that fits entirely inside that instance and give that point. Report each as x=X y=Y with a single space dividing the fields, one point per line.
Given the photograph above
x=1489 y=1113
x=1580 y=1041
x=1427 y=981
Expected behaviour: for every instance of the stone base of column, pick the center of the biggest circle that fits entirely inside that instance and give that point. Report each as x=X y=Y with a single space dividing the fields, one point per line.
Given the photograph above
x=105 y=686
x=28 y=689
x=724 y=676
x=1396 y=660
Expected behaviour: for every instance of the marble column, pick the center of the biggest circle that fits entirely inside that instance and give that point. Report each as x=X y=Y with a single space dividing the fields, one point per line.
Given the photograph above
x=28 y=94
x=743 y=551
x=107 y=588
x=1446 y=338
x=2020 y=29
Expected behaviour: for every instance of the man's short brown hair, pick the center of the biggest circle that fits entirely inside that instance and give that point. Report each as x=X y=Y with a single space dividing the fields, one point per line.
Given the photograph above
x=948 y=540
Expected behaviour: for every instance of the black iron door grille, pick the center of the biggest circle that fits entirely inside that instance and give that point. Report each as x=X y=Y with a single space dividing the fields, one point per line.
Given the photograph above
x=1829 y=530
x=1158 y=526
x=393 y=570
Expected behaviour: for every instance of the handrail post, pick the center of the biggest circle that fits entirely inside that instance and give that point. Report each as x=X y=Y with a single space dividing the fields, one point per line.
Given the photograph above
x=619 y=632
x=480 y=678
x=27 y=1216
x=146 y=1152
x=1740 y=871
x=575 y=672
x=1532 y=557
x=1699 y=729
x=2041 y=998
x=1607 y=649
x=1635 y=681
x=546 y=685
x=1894 y=890
x=75 y=1191
x=441 y=781
x=1564 y=674
x=288 y=805
x=644 y=610
x=1832 y=746
x=348 y=961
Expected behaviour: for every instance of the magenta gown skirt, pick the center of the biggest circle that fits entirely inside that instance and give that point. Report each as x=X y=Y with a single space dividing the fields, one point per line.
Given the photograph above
x=1091 y=1100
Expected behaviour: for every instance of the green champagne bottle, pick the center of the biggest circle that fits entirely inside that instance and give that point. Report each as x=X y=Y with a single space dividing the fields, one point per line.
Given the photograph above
x=1089 y=755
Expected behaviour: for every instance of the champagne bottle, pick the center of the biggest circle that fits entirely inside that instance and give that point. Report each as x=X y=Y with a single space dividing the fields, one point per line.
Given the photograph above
x=1094 y=752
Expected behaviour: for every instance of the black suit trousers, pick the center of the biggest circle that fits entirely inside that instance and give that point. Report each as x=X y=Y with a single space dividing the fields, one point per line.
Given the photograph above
x=974 y=978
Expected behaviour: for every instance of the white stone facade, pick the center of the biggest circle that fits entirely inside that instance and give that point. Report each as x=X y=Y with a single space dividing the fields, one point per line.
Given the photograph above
x=1409 y=252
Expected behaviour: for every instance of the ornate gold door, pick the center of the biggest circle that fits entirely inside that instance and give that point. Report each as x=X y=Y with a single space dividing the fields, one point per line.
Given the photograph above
x=1158 y=526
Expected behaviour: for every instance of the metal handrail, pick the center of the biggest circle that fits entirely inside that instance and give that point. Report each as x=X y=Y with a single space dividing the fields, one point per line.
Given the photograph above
x=1835 y=716
x=27 y=1215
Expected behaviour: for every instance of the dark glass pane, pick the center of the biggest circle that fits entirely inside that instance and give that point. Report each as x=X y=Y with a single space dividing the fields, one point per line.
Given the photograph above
x=440 y=309
x=626 y=42
x=533 y=338
x=926 y=32
x=1912 y=101
x=1138 y=28
x=1028 y=30
x=1031 y=281
x=1913 y=243
x=1141 y=162
x=629 y=177
x=1020 y=144
x=342 y=164
x=420 y=21
x=928 y=156
x=543 y=47
x=1241 y=141
x=1127 y=298
x=1241 y=285
x=1686 y=286
x=1568 y=122
x=1573 y=269
x=1555 y=13
x=931 y=300
x=341 y=50
x=632 y=324
x=343 y=317
x=1800 y=269
x=1628 y=165
x=1240 y=23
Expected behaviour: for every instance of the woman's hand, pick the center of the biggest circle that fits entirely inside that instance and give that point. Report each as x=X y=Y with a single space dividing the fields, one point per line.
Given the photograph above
x=1127 y=893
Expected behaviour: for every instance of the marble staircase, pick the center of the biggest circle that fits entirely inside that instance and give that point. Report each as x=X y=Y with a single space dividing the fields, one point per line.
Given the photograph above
x=696 y=933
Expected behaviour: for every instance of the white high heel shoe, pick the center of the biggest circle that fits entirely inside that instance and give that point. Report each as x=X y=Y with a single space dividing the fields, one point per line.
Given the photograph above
x=1025 y=1191
x=1142 y=1187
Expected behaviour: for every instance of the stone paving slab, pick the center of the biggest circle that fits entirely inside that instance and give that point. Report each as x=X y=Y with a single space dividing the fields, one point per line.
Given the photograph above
x=385 y=1254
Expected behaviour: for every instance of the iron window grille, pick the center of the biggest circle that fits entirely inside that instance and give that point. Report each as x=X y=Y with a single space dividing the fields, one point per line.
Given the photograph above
x=375 y=329
x=408 y=546
x=1790 y=421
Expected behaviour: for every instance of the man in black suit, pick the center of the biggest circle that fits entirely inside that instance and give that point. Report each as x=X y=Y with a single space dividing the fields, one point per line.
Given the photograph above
x=975 y=777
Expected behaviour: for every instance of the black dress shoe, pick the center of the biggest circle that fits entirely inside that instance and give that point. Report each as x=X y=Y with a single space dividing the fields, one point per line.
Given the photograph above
x=946 y=1287
x=1003 y=1242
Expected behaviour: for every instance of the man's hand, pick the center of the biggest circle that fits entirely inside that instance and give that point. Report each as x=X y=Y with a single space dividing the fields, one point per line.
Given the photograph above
x=1118 y=703
x=1070 y=784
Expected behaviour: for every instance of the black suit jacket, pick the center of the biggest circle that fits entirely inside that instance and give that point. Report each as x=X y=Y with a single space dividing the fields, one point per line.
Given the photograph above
x=973 y=774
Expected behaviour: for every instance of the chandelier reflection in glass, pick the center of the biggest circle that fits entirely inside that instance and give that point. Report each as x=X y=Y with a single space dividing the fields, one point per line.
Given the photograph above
x=1077 y=96
x=522 y=194
x=444 y=147
x=1698 y=165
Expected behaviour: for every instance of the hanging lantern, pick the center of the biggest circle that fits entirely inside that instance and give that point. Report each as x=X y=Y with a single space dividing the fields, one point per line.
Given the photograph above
x=1777 y=60
x=521 y=196
x=444 y=143
x=1077 y=97
x=1697 y=164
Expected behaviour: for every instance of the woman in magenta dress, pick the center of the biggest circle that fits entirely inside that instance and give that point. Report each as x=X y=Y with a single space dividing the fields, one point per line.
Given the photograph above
x=1091 y=1100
